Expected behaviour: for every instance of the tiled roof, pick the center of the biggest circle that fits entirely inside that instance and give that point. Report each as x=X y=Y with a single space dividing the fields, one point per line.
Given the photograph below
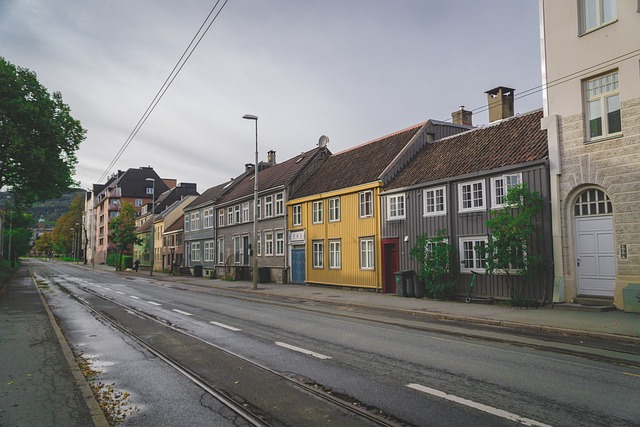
x=357 y=165
x=178 y=225
x=210 y=195
x=272 y=177
x=513 y=141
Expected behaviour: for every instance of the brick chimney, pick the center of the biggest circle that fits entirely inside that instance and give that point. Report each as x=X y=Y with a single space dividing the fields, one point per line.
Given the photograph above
x=500 y=101
x=462 y=117
x=271 y=158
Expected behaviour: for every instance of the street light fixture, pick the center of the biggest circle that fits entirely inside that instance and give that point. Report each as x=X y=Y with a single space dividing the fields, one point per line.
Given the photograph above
x=77 y=243
x=153 y=213
x=255 y=207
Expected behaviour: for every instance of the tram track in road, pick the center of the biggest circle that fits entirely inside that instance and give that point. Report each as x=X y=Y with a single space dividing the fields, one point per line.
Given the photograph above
x=260 y=395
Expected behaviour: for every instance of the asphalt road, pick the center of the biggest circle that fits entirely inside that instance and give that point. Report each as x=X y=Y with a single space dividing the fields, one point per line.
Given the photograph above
x=417 y=376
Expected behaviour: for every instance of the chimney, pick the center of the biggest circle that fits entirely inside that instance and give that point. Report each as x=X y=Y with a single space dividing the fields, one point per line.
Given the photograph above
x=500 y=101
x=271 y=157
x=462 y=117
x=248 y=166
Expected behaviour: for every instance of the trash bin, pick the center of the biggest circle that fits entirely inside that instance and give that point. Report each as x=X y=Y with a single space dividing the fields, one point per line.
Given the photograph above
x=197 y=271
x=419 y=288
x=264 y=275
x=401 y=284
x=410 y=281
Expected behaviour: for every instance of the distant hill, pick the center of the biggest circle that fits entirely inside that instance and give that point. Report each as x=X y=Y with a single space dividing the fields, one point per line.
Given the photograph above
x=52 y=209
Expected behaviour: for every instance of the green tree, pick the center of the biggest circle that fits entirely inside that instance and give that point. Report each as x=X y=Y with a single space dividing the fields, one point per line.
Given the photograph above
x=123 y=229
x=17 y=231
x=38 y=137
x=515 y=242
x=433 y=256
x=69 y=227
x=44 y=244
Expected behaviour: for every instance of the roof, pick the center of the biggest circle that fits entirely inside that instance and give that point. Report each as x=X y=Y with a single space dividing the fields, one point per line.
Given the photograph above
x=178 y=225
x=357 y=165
x=513 y=141
x=133 y=183
x=210 y=195
x=271 y=177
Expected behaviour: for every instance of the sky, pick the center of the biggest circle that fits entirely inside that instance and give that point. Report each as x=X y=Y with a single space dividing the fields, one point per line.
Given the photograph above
x=353 y=70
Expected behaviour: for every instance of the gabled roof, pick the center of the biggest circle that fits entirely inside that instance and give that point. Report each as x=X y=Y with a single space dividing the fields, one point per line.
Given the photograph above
x=272 y=177
x=178 y=225
x=133 y=182
x=358 y=165
x=513 y=141
x=210 y=195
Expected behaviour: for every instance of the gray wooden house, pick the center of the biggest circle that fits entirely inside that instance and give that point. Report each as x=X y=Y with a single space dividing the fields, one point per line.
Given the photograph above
x=453 y=184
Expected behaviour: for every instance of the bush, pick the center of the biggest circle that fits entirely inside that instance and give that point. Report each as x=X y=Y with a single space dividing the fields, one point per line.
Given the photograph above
x=433 y=256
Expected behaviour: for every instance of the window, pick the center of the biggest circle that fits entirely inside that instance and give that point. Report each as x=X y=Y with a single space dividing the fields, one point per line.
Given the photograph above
x=366 y=254
x=596 y=13
x=258 y=210
x=603 y=106
x=435 y=201
x=236 y=214
x=471 y=196
x=221 y=247
x=209 y=250
x=592 y=202
x=259 y=243
x=279 y=204
x=365 y=204
x=318 y=254
x=268 y=243
x=195 y=221
x=138 y=202
x=237 y=249
x=296 y=214
x=268 y=206
x=334 y=209
x=318 y=209
x=469 y=257
x=186 y=222
x=500 y=186
x=335 y=254
x=220 y=217
x=208 y=218
x=245 y=212
x=195 y=251
x=149 y=190
x=280 y=243
x=229 y=215
x=395 y=206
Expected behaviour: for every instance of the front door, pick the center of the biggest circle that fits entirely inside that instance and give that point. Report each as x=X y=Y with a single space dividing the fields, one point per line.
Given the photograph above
x=297 y=265
x=389 y=265
x=595 y=256
x=245 y=250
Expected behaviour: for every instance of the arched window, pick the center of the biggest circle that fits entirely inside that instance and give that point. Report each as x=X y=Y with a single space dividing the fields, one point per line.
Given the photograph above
x=592 y=202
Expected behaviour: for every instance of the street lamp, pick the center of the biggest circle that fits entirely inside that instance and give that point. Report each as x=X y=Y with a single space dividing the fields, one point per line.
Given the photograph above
x=77 y=243
x=73 y=241
x=255 y=206
x=153 y=213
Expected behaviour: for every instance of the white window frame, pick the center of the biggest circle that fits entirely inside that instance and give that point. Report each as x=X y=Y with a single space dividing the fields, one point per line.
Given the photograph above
x=209 y=250
x=396 y=206
x=598 y=8
x=208 y=218
x=335 y=254
x=367 y=260
x=149 y=190
x=431 y=197
x=477 y=204
x=187 y=223
x=230 y=215
x=334 y=209
x=365 y=204
x=195 y=251
x=296 y=215
x=236 y=214
x=279 y=202
x=238 y=250
x=318 y=212
x=268 y=243
x=259 y=244
x=220 y=217
x=195 y=220
x=317 y=254
x=137 y=202
x=221 y=249
x=598 y=92
x=467 y=265
x=279 y=242
x=245 y=212
x=500 y=186
x=268 y=206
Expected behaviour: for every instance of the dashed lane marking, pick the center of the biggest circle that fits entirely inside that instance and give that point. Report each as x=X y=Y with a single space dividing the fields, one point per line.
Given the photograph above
x=153 y=303
x=303 y=350
x=134 y=297
x=222 y=325
x=182 y=312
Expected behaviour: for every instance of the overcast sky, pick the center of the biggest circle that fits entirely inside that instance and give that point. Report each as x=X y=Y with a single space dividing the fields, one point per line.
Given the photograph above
x=354 y=70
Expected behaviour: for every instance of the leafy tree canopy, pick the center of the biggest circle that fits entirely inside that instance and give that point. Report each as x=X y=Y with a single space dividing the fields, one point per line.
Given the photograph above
x=38 y=137
x=123 y=229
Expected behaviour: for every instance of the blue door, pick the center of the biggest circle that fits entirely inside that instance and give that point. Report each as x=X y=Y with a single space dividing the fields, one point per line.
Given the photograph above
x=297 y=265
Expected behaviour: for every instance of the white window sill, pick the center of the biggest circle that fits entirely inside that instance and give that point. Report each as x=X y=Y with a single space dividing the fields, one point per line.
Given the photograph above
x=605 y=138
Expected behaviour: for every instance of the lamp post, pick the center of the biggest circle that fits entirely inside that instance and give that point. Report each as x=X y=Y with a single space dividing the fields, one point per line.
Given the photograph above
x=77 y=243
x=255 y=207
x=10 y=231
x=153 y=213
x=73 y=240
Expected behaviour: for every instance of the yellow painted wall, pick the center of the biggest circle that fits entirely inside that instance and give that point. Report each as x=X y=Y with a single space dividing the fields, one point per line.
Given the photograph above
x=349 y=230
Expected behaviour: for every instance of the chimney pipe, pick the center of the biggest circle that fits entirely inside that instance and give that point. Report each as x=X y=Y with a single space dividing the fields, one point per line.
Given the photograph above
x=500 y=101
x=462 y=117
x=271 y=157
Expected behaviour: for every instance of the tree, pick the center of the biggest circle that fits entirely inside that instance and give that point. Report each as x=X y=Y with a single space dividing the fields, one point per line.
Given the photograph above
x=17 y=224
x=433 y=256
x=123 y=229
x=44 y=243
x=515 y=241
x=68 y=227
x=38 y=137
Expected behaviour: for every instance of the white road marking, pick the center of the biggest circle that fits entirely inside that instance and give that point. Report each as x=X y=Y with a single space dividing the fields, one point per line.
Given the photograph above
x=107 y=288
x=153 y=303
x=134 y=297
x=222 y=325
x=302 y=350
x=479 y=406
x=182 y=312
x=100 y=286
x=118 y=292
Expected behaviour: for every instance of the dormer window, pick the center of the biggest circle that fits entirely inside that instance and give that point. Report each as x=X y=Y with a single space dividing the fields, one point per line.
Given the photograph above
x=149 y=190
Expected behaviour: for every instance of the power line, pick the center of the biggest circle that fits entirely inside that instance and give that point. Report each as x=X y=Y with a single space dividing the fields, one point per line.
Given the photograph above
x=193 y=44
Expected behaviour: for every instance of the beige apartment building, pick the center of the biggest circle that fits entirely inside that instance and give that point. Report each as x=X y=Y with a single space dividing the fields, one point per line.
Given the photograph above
x=591 y=79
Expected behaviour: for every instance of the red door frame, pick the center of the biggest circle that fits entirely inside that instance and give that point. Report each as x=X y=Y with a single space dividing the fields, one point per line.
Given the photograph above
x=390 y=264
